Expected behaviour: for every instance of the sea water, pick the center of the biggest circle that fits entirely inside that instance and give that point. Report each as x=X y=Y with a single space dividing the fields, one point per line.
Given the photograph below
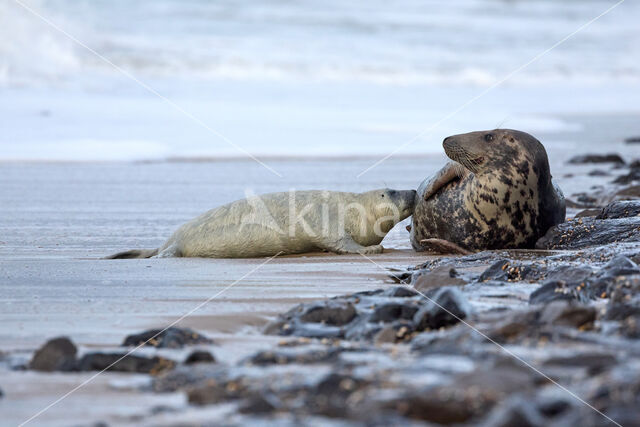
x=143 y=80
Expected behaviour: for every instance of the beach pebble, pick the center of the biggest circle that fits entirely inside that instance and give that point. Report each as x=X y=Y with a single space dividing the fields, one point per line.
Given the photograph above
x=596 y=158
x=620 y=209
x=439 y=276
x=57 y=354
x=129 y=363
x=446 y=307
x=336 y=313
x=588 y=232
x=169 y=338
x=200 y=356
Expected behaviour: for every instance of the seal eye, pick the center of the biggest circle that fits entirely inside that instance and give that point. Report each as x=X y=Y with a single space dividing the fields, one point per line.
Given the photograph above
x=488 y=137
x=383 y=196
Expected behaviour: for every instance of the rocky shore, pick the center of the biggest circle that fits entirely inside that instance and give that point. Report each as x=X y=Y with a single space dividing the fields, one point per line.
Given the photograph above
x=547 y=336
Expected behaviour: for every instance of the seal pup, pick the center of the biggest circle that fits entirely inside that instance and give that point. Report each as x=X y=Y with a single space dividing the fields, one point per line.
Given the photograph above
x=289 y=223
x=496 y=193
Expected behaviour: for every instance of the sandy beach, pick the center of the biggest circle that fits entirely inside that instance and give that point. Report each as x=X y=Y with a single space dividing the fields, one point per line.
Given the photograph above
x=59 y=219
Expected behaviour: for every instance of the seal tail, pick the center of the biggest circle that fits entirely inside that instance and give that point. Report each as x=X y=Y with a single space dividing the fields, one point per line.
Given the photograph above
x=134 y=253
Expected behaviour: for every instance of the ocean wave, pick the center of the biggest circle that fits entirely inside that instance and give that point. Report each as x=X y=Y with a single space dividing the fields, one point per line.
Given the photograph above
x=468 y=42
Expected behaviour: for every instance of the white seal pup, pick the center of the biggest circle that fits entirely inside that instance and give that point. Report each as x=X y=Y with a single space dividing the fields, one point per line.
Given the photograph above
x=289 y=223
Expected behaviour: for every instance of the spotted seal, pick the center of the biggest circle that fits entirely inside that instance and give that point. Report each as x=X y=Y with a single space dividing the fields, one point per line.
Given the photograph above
x=496 y=193
x=289 y=223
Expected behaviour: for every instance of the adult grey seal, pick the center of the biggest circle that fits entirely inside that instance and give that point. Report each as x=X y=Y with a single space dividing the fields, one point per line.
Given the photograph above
x=497 y=193
x=289 y=223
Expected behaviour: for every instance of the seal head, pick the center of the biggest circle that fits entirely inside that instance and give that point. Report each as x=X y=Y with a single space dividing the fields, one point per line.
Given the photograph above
x=497 y=193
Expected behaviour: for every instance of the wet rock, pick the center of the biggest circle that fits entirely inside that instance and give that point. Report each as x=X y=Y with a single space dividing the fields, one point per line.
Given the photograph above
x=508 y=271
x=438 y=277
x=620 y=266
x=447 y=306
x=169 y=338
x=468 y=396
x=553 y=290
x=336 y=313
x=200 y=356
x=587 y=232
x=399 y=292
x=594 y=212
x=596 y=158
x=632 y=176
x=330 y=396
x=569 y=273
x=515 y=412
x=121 y=362
x=632 y=140
x=629 y=193
x=620 y=209
x=563 y=313
x=58 y=354
x=305 y=356
x=393 y=311
x=259 y=404
x=186 y=376
x=595 y=363
x=585 y=200
x=212 y=391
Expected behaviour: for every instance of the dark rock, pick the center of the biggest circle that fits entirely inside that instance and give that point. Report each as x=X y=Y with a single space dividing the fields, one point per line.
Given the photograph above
x=629 y=193
x=516 y=412
x=212 y=391
x=330 y=396
x=445 y=307
x=597 y=158
x=438 y=277
x=509 y=271
x=586 y=200
x=400 y=292
x=468 y=396
x=632 y=176
x=632 y=140
x=200 y=356
x=587 y=232
x=563 y=313
x=186 y=376
x=553 y=290
x=301 y=356
x=393 y=311
x=259 y=404
x=588 y=212
x=58 y=354
x=620 y=209
x=121 y=362
x=620 y=266
x=598 y=172
x=595 y=363
x=336 y=313
x=169 y=338
x=569 y=273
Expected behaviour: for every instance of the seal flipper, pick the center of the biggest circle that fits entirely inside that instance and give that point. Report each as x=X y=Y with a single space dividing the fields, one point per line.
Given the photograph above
x=347 y=245
x=441 y=246
x=448 y=173
x=134 y=253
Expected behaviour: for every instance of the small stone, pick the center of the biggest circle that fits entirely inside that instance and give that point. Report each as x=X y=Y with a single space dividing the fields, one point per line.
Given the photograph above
x=331 y=312
x=58 y=354
x=597 y=158
x=200 y=356
x=124 y=363
x=438 y=277
x=169 y=338
x=447 y=306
